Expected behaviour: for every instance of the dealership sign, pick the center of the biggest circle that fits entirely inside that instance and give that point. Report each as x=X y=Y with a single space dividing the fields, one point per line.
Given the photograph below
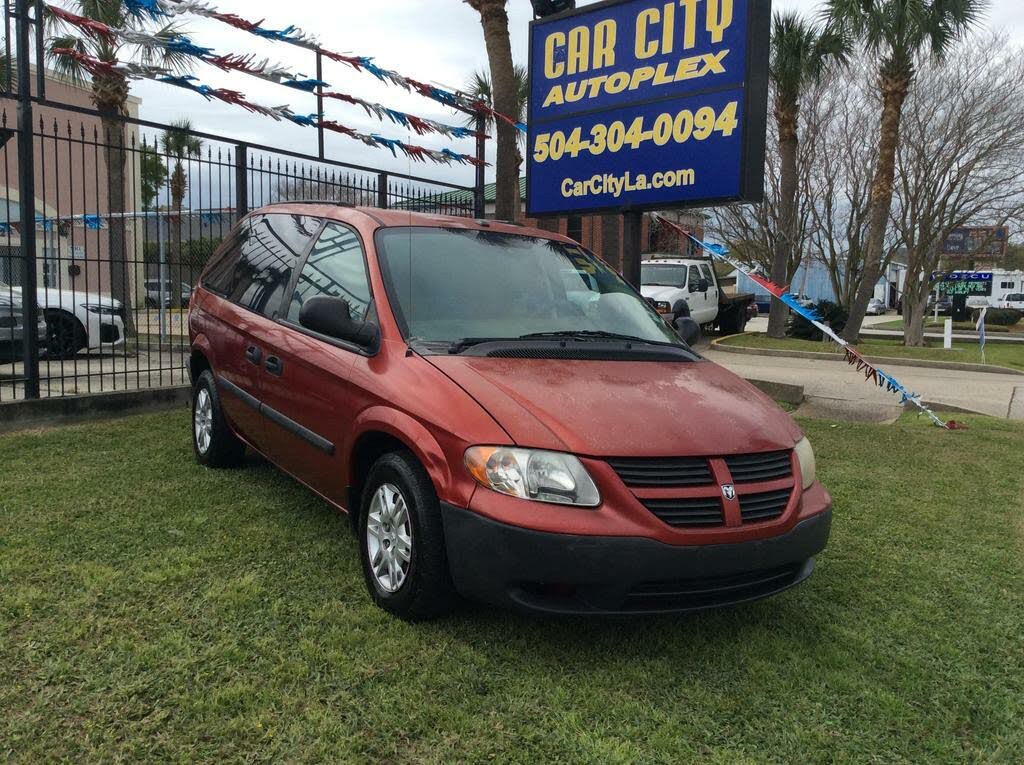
x=963 y=282
x=643 y=104
x=985 y=241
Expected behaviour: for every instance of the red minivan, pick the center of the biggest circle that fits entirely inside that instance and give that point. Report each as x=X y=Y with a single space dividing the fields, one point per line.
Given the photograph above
x=501 y=415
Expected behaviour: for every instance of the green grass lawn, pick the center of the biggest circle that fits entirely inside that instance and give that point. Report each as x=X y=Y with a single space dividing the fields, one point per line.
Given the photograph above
x=152 y=610
x=958 y=326
x=996 y=354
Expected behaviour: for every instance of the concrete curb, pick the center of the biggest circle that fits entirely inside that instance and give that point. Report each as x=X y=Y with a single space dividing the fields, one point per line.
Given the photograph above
x=24 y=415
x=717 y=345
x=790 y=394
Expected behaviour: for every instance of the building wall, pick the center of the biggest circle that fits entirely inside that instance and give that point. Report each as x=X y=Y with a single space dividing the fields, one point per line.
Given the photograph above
x=71 y=179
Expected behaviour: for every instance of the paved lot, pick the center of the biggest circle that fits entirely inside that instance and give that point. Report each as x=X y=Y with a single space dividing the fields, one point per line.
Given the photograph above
x=838 y=382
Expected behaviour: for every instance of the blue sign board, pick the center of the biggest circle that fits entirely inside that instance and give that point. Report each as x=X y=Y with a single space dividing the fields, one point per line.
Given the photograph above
x=644 y=104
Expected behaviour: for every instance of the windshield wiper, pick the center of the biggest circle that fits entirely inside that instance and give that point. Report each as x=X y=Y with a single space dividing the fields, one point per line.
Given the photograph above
x=594 y=333
x=458 y=346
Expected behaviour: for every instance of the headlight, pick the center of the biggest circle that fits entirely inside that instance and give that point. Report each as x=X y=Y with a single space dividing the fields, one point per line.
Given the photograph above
x=103 y=310
x=662 y=307
x=805 y=456
x=533 y=474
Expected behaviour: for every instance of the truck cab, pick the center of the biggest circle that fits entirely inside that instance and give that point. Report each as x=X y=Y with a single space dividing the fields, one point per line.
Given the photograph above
x=676 y=284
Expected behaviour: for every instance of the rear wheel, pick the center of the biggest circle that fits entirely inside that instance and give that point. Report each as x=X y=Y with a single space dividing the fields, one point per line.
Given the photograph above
x=733 y=320
x=214 y=443
x=405 y=563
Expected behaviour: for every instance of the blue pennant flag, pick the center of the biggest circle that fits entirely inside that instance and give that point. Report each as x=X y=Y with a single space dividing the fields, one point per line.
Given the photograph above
x=309 y=85
x=92 y=222
x=141 y=9
x=181 y=44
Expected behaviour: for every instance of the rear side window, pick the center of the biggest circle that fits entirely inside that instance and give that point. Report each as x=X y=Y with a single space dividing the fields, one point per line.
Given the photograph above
x=257 y=267
x=335 y=267
x=706 y=270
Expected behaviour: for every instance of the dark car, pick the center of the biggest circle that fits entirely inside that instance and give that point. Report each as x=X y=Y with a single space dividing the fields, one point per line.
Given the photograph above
x=502 y=416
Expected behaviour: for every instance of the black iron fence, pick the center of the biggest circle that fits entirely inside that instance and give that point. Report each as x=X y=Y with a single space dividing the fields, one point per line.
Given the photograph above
x=114 y=270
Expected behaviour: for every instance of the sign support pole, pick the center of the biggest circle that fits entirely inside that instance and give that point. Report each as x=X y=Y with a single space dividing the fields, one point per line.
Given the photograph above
x=632 y=245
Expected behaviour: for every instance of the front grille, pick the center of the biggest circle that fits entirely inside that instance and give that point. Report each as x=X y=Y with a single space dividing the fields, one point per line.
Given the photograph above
x=687 y=513
x=766 y=466
x=711 y=591
x=662 y=471
x=763 y=506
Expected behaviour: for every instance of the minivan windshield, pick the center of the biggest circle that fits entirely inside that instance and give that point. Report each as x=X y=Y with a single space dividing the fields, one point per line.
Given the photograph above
x=447 y=285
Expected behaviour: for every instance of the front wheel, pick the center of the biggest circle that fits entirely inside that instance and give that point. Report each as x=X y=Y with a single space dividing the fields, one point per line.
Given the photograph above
x=214 y=443
x=405 y=563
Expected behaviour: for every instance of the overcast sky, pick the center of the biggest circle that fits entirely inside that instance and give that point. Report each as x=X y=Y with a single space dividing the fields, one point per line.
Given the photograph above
x=438 y=41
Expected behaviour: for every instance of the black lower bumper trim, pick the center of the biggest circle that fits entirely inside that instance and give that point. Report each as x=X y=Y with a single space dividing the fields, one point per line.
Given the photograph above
x=566 y=574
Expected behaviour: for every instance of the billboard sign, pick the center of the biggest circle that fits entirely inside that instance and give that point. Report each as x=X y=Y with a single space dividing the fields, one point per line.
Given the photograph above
x=647 y=104
x=977 y=241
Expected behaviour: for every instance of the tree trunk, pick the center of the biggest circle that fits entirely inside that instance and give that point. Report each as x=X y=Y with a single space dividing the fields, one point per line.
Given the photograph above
x=894 y=92
x=114 y=159
x=110 y=94
x=786 y=235
x=494 y=20
x=177 y=197
x=913 y=321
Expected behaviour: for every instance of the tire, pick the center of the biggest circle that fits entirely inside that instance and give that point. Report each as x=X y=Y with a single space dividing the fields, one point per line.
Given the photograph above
x=733 y=321
x=214 y=444
x=415 y=586
x=65 y=335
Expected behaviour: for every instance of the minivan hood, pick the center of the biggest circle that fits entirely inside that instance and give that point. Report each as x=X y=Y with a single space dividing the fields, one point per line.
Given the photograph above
x=623 y=408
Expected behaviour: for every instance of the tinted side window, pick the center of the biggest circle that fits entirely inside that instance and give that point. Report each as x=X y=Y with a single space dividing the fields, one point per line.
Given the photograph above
x=220 y=274
x=706 y=270
x=270 y=247
x=335 y=267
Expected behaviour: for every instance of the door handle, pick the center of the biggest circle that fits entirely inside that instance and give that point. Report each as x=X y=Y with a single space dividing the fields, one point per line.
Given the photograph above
x=253 y=354
x=275 y=366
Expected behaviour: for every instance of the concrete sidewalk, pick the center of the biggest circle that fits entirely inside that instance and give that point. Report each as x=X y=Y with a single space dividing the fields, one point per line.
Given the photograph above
x=836 y=384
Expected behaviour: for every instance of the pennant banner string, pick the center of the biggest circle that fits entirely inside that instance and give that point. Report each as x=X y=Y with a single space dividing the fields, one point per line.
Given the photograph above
x=157 y=9
x=188 y=82
x=852 y=355
x=263 y=69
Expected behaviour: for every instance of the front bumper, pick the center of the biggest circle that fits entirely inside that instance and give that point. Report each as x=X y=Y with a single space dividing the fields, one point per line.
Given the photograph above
x=576 y=574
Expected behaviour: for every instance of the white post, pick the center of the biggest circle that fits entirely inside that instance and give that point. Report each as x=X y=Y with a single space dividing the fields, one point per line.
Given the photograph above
x=947 y=336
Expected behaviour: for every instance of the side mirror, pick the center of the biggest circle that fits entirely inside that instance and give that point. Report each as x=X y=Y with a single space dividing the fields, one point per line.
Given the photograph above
x=332 y=316
x=703 y=285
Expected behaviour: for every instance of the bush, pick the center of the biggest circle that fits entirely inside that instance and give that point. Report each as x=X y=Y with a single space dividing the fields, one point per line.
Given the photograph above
x=832 y=314
x=1000 y=317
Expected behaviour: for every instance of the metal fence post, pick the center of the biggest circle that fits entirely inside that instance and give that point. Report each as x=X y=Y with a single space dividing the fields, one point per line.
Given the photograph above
x=27 y=204
x=320 y=101
x=382 y=191
x=241 y=180
x=479 y=203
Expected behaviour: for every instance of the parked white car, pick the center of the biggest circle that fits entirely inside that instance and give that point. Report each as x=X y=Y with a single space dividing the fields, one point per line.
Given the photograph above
x=77 y=320
x=876 y=307
x=1013 y=300
x=671 y=282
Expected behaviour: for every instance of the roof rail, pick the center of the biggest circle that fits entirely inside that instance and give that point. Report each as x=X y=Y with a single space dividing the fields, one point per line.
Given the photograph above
x=312 y=202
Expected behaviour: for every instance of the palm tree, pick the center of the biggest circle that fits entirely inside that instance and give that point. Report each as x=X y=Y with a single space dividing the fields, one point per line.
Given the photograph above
x=799 y=54
x=110 y=96
x=479 y=87
x=179 y=144
x=494 y=20
x=897 y=32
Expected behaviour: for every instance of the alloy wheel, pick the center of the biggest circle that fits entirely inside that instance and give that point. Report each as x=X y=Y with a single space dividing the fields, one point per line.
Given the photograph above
x=203 y=420
x=389 y=537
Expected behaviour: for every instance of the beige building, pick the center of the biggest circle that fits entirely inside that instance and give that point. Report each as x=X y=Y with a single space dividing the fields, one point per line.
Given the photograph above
x=70 y=183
